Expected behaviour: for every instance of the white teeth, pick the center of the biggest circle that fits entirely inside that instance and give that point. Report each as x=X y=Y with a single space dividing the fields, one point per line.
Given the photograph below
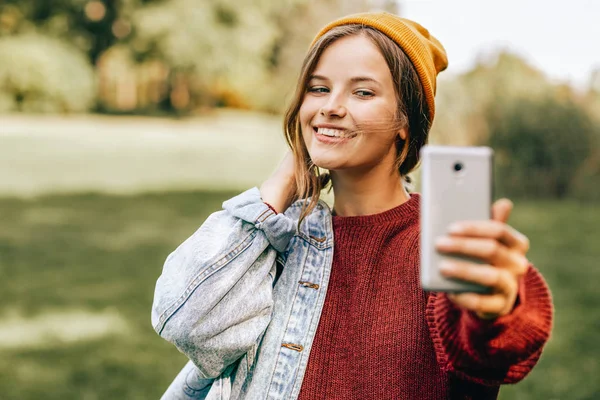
x=332 y=132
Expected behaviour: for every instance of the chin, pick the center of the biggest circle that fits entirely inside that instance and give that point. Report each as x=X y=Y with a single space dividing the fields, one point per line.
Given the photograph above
x=330 y=158
x=330 y=163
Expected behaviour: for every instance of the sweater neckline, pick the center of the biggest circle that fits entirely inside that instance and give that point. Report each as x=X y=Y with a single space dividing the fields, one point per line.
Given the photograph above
x=405 y=212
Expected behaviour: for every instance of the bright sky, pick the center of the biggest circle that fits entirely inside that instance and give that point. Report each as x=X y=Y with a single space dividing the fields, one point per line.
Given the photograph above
x=562 y=38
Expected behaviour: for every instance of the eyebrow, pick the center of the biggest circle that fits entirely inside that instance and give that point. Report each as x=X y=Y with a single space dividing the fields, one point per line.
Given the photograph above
x=355 y=79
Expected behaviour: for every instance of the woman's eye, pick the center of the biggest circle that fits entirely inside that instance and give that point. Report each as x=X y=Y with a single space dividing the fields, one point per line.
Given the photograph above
x=318 y=89
x=364 y=93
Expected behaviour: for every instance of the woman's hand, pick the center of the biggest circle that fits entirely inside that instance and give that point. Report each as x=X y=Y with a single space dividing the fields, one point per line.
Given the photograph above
x=502 y=250
x=279 y=191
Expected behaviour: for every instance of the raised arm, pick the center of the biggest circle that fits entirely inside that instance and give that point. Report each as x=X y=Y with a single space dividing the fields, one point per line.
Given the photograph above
x=497 y=337
x=214 y=297
x=498 y=351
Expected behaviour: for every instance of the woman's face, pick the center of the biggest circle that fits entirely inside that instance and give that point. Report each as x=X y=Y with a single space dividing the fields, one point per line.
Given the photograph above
x=348 y=115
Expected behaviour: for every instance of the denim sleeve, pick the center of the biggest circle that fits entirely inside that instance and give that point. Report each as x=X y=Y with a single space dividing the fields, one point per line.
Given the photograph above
x=213 y=300
x=187 y=385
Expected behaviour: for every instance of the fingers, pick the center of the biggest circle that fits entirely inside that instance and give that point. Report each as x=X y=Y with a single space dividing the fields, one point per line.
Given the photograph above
x=504 y=288
x=501 y=210
x=500 y=247
x=498 y=279
x=486 y=306
x=494 y=230
x=490 y=251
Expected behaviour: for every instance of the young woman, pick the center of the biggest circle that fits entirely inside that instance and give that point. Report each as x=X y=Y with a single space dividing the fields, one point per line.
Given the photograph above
x=278 y=298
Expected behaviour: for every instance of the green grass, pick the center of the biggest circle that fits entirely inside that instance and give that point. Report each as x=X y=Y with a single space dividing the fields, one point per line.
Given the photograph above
x=102 y=254
x=93 y=253
x=564 y=238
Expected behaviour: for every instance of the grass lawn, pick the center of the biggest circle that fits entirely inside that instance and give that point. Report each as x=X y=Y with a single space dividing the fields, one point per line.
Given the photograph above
x=78 y=276
x=221 y=150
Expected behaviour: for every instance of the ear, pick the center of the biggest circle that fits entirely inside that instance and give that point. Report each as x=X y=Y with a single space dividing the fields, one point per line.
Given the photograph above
x=403 y=133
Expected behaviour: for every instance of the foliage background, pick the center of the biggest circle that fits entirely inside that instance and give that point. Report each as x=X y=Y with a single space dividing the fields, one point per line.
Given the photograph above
x=124 y=123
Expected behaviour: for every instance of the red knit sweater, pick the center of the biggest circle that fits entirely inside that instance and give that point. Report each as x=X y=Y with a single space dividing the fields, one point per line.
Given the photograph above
x=381 y=336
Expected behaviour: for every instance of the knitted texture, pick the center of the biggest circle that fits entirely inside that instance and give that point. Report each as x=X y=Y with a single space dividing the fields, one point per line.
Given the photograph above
x=424 y=51
x=381 y=337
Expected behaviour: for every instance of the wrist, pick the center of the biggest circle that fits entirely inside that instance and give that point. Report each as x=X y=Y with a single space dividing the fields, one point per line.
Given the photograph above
x=277 y=194
x=271 y=207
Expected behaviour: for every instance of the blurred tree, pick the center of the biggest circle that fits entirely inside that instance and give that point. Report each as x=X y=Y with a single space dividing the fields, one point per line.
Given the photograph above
x=91 y=25
x=215 y=52
x=540 y=145
x=86 y=24
x=231 y=53
x=586 y=185
x=462 y=101
x=41 y=74
x=214 y=48
x=87 y=27
x=545 y=134
x=592 y=97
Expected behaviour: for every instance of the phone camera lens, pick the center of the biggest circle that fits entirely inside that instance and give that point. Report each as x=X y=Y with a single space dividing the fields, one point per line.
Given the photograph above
x=458 y=167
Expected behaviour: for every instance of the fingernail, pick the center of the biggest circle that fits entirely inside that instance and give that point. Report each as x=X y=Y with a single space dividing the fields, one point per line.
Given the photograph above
x=456 y=227
x=446 y=266
x=443 y=241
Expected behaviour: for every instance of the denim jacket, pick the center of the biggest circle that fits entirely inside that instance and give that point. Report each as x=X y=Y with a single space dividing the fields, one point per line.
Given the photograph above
x=242 y=298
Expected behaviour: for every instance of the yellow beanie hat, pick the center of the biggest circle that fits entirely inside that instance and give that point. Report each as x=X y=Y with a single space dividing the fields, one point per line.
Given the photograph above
x=424 y=51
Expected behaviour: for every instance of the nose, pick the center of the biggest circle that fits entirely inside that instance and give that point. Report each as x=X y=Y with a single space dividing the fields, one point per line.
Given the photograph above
x=333 y=107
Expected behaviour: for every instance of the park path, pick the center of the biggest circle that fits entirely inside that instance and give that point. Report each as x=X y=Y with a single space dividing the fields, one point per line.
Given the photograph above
x=108 y=154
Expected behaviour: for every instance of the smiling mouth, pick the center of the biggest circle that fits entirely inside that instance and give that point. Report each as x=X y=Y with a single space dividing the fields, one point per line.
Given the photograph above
x=334 y=133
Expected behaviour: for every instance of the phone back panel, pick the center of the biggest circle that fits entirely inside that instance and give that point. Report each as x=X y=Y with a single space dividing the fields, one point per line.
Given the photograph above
x=456 y=186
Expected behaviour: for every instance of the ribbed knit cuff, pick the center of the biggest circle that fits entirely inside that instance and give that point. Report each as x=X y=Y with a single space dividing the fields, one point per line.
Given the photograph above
x=496 y=351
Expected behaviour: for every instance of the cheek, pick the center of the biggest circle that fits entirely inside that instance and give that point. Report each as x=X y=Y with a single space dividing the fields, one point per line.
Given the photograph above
x=306 y=116
x=302 y=114
x=385 y=124
x=309 y=108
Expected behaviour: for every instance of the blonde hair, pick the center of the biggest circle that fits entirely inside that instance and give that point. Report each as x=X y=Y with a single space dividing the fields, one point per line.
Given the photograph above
x=412 y=112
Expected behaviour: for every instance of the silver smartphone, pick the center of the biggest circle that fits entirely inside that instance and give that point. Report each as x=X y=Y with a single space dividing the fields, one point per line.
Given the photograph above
x=456 y=185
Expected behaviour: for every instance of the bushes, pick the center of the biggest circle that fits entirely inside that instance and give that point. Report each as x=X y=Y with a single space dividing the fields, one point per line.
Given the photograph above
x=542 y=148
x=43 y=75
x=545 y=134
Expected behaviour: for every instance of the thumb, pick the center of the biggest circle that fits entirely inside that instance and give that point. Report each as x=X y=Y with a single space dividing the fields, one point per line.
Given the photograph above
x=501 y=210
